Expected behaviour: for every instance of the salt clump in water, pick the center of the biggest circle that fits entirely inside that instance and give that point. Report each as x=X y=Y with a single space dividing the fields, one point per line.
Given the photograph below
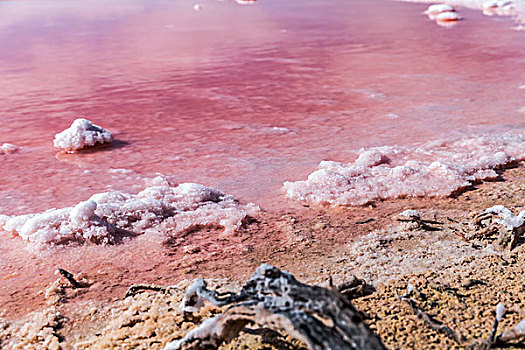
x=82 y=133
x=246 y=2
x=434 y=169
x=439 y=8
x=8 y=148
x=499 y=7
x=156 y=209
x=442 y=13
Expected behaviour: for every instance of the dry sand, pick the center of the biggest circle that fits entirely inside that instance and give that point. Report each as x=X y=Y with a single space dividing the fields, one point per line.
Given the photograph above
x=458 y=279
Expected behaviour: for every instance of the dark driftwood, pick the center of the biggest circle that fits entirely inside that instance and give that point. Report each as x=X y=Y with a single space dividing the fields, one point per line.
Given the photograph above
x=322 y=318
x=135 y=288
x=69 y=276
x=429 y=320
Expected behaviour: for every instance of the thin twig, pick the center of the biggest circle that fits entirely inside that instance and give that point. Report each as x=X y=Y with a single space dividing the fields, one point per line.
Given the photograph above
x=135 y=288
x=69 y=276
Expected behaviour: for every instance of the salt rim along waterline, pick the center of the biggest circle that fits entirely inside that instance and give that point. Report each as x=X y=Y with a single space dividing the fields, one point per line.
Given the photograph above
x=438 y=168
x=110 y=216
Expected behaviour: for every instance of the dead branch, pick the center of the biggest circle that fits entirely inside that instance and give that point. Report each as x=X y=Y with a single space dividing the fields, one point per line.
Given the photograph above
x=135 y=288
x=355 y=288
x=431 y=322
x=321 y=318
x=69 y=276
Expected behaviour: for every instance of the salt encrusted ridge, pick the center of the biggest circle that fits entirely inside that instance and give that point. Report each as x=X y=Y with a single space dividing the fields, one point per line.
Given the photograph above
x=155 y=209
x=82 y=133
x=433 y=169
x=507 y=219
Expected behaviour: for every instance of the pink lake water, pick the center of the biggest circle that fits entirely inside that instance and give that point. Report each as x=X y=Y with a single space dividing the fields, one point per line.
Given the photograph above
x=237 y=97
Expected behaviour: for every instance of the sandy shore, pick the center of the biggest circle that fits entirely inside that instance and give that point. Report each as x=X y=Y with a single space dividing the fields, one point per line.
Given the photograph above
x=459 y=276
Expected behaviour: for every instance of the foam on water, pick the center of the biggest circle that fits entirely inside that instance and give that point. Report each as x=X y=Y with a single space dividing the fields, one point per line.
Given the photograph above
x=82 y=133
x=161 y=208
x=433 y=169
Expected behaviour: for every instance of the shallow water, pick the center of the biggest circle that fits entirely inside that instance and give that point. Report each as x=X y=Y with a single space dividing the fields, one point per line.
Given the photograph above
x=241 y=98
x=237 y=97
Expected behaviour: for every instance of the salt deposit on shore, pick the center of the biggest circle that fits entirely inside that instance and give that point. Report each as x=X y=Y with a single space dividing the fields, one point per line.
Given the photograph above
x=157 y=208
x=434 y=169
x=82 y=133
x=507 y=219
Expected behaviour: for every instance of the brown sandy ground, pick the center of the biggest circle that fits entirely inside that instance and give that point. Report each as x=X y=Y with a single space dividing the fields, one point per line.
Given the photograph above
x=458 y=279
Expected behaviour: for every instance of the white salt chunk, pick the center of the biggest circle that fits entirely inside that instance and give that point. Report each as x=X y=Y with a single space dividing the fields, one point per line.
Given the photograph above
x=507 y=219
x=409 y=213
x=246 y=2
x=157 y=208
x=82 y=133
x=197 y=7
x=439 y=8
x=8 y=148
x=434 y=169
x=447 y=16
x=500 y=310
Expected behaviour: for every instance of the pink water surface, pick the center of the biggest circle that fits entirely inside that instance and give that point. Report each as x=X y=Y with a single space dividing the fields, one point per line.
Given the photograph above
x=196 y=94
x=237 y=97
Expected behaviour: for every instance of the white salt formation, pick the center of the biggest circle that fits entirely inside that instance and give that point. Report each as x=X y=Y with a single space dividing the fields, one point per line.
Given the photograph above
x=409 y=213
x=433 y=169
x=447 y=17
x=490 y=7
x=439 y=8
x=158 y=208
x=8 y=148
x=82 y=133
x=507 y=219
x=442 y=13
x=500 y=7
x=246 y=2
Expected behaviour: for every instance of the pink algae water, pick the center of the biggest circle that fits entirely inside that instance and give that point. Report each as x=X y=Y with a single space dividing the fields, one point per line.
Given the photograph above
x=237 y=97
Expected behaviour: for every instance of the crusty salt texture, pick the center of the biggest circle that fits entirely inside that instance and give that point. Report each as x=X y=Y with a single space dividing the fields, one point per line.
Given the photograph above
x=157 y=208
x=439 y=8
x=82 y=133
x=447 y=16
x=433 y=169
x=409 y=213
x=8 y=148
x=507 y=219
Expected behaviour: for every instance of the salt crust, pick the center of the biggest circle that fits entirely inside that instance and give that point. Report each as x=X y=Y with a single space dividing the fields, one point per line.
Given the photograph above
x=507 y=219
x=8 y=148
x=433 y=169
x=409 y=213
x=439 y=8
x=80 y=134
x=398 y=250
x=447 y=16
x=155 y=209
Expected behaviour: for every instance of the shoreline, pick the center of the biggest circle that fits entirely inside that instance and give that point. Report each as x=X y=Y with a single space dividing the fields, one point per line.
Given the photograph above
x=311 y=243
